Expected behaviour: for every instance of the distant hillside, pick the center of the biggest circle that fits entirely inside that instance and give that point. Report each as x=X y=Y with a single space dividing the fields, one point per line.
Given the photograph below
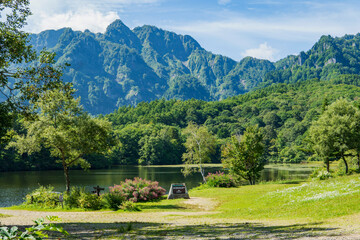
x=284 y=111
x=124 y=66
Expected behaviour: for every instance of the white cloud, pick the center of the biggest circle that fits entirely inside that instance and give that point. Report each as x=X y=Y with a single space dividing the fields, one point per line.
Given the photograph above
x=288 y=31
x=90 y=19
x=264 y=51
x=77 y=14
x=224 y=2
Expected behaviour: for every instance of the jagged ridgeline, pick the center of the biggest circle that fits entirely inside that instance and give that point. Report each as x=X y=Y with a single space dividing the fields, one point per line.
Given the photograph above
x=124 y=66
x=327 y=59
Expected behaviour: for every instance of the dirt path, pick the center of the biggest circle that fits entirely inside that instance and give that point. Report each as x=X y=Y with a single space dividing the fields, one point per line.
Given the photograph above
x=192 y=223
x=202 y=206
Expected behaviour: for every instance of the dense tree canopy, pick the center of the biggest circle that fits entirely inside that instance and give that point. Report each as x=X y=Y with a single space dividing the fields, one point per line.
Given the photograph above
x=243 y=155
x=200 y=145
x=63 y=128
x=284 y=111
x=336 y=132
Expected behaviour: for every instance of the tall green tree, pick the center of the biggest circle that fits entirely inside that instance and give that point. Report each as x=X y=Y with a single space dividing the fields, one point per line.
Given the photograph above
x=243 y=155
x=20 y=85
x=336 y=132
x=200 y=145
x=63 y=127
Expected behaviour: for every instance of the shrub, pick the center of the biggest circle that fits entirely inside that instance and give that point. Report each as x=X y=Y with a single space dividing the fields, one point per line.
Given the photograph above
x=89 y=201
x=71 y=199
x=112 y=201
x=38 y=231
x=138 y=190
x=129 y=206
x=43 y=197
x=220 y=179
x=321 y=174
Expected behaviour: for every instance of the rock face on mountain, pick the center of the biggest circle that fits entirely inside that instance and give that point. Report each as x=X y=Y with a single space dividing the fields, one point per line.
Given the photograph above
x=327 y=59
x=124 y=66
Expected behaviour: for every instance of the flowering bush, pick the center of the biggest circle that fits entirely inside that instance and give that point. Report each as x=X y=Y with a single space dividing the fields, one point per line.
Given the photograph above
x=220 y=179
x=138 y=190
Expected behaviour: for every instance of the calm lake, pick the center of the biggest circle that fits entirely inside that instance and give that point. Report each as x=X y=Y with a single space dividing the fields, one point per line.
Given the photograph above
x=15 y=185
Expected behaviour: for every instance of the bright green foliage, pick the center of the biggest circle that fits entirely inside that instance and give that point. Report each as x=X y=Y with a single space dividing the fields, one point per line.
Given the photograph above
x=130 y=206
x=65 y=129
x=200 y=145
x=112 y=201
x=284 y=111
x=44 y=197
x=89 y=201
x=162 y=147
x=36 y=232
x=21 y=84
x=336 y=132
x=244 y=154
x=71 y=198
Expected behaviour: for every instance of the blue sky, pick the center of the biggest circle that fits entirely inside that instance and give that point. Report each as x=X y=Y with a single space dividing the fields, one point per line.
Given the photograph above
x=267 y=29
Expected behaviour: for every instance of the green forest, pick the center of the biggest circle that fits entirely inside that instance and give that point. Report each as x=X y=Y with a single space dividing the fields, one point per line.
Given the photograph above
x=151 y=133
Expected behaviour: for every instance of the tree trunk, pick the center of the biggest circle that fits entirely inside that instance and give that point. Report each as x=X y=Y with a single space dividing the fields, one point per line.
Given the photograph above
x=202 y=173
x=346 y=165
x=67 y=178
x=358 y=161
x=250 y=180
x=327 y=162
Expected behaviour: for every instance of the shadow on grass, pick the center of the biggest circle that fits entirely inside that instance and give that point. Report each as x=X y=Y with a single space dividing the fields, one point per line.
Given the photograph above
x=139 y=230
x=164 y=207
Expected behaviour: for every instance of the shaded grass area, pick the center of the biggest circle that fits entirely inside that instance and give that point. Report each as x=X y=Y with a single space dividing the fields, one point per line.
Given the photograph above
x=317 y=200
x=164 y=205
x=43 y=209
x=138 y=230
x=153 y=206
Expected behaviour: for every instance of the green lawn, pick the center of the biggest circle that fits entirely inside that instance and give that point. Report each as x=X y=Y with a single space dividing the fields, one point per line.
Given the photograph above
x=315 y=200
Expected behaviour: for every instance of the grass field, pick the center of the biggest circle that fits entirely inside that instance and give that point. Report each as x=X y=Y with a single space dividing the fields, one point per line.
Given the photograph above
x=315 y=200
x=282 y=210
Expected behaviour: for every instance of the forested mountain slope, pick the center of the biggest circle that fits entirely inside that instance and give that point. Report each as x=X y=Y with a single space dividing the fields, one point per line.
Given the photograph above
x=328 y=58
x=151 y=132
x=124 y=66
x=285 y=111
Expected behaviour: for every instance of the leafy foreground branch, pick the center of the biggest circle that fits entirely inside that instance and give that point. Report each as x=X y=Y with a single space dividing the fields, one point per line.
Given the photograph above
x=38 y=231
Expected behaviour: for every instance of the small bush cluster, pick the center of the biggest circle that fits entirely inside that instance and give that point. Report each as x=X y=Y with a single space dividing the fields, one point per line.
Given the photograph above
x=138 y=190
x=220 y=179
x=121 y=196
x=43 y=197
x=112 y=201
x=321 y=174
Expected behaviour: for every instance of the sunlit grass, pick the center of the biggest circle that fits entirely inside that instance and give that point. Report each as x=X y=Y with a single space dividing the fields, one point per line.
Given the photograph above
x=315 y=200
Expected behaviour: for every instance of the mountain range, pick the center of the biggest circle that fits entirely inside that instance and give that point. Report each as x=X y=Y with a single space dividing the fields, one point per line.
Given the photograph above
x=125 y=67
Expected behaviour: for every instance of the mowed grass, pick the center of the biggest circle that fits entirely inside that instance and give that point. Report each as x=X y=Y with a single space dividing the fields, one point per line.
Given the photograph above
x=315 y=200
